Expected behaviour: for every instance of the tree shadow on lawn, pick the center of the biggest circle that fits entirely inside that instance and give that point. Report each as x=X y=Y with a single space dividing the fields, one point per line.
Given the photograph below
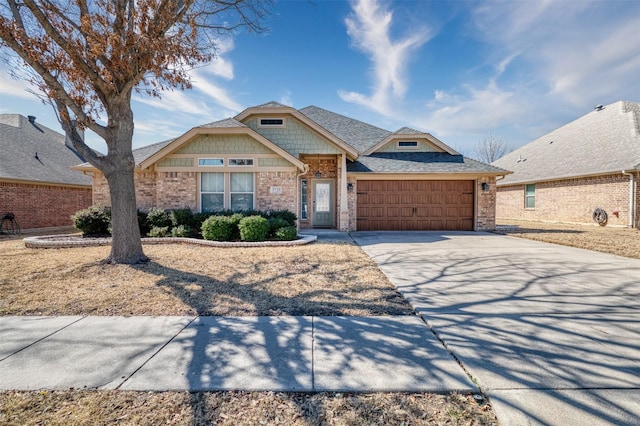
x=267 y=349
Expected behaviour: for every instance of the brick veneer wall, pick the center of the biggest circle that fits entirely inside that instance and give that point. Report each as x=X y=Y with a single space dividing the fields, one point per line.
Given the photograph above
x=285 y=182
x=175 y=190
x=486 y=204
x=42 y=206
x=570 y=200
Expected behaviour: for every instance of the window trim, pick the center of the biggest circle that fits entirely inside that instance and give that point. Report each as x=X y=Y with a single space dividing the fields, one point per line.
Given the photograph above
x=407 y=147
x=226 y=192
x=229 y=162
x=210 y=165
x=224 y=203
x=253 y=190
x=261 y=122
x=529 y=195
x=304 y=200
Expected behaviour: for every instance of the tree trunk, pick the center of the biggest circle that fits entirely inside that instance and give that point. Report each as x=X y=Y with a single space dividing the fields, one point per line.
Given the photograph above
x=126 y=246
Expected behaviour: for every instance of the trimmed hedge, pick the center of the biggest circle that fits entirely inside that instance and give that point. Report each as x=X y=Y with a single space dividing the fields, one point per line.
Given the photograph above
x=94 y=221
x=220 y=226
x=254 y=228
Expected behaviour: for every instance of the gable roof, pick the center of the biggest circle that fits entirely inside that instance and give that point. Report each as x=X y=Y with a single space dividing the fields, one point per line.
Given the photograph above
x=155 y=152
x=606 y=140
x=421 y=162
x=33 y=152
x=408 y=133
x=356 y=133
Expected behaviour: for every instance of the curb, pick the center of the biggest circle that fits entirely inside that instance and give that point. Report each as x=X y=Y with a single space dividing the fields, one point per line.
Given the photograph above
x=53 y=241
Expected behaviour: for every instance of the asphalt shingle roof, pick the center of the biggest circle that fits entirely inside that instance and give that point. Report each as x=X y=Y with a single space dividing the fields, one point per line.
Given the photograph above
x=358 y=134
x=141 y=154
x=20 y=140
x=602 y=141
x=419 y=162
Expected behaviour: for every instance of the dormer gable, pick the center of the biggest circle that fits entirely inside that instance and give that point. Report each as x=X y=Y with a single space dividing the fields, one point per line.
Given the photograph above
x=410 y=140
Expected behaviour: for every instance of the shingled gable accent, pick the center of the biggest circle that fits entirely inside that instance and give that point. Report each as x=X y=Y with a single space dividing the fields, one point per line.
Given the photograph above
x=213 y=130
x=410 y=134
x=276 y=109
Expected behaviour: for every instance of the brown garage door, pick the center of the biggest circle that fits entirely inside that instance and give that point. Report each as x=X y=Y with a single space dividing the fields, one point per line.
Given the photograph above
x=415 y=205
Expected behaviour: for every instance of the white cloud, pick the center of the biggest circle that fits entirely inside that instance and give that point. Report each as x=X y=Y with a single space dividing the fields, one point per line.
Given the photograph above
x=15 y=87
x=369 y=26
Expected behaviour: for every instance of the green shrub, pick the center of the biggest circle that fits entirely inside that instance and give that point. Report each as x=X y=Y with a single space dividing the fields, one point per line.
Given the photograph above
x=218 y=228
x=254 y=228
x=276 y=223
x=142 y=223
x=94 y=221
x=181 y=217
x=159 y=231
x=197 y=221
x=157 y=217
x=287 y=215
x=181 y=231
x=286 y=233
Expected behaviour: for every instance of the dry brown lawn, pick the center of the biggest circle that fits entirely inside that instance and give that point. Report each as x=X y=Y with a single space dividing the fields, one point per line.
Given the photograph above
x=619 y=241
x=239 y=408
x=184 y=279
x=317 y=279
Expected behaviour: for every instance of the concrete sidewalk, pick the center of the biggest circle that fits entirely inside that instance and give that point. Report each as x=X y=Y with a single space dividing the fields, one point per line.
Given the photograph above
x=397 y=353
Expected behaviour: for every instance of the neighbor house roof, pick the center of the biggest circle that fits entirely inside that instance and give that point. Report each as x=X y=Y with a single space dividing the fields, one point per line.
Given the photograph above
x=420 y=162
x=606 y=140
x=33 y=152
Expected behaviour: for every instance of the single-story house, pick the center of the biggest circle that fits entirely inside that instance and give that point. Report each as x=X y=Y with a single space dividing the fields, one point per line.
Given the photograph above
x=37 y=183
x=332 y=171
x=585 y=171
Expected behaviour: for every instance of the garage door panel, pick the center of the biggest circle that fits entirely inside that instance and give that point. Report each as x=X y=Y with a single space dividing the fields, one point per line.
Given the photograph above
x=415 y=205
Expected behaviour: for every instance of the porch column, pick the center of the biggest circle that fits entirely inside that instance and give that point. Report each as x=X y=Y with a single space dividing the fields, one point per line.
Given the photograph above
x=344 y=204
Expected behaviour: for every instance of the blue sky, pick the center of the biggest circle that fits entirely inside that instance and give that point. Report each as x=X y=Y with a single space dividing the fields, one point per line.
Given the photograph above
x=457 y=69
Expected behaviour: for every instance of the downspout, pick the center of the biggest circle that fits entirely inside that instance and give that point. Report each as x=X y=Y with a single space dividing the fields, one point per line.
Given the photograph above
x=631 y=194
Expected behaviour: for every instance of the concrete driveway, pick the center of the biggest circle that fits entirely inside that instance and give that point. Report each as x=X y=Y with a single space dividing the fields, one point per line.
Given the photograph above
x=550 y=333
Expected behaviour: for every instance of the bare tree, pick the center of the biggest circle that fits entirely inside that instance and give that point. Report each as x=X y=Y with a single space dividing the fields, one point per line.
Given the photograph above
x=88 y=56
x=491 y=148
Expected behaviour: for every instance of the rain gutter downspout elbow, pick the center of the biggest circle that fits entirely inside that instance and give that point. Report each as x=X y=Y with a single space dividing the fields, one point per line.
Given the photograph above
x=631 y=198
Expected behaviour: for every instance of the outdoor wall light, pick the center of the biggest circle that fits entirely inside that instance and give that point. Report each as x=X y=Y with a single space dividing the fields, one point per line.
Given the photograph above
x=350 y=187
x=485 y=186
x=318 y=174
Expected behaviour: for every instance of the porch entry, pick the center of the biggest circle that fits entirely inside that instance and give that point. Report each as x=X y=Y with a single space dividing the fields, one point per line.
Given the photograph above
x=323 y=203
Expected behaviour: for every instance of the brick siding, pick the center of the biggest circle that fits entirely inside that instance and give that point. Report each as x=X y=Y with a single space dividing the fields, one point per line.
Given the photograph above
x=42 y=206
x=570 y=200
x=284 y=187
x=486 y=204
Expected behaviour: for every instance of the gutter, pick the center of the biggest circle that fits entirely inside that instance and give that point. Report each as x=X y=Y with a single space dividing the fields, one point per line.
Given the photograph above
x=631 y=193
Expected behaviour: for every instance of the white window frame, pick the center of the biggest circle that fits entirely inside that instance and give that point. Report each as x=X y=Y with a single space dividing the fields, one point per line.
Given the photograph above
x=249 y=160
x=281 y=125
x=528 y=196
x=408 y=148
x=211 y=165
x=226 y=194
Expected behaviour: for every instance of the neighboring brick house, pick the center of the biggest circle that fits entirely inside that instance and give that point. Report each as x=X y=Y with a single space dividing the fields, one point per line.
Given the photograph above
x=331 y=170
x=37 y=183
x=564 y=176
